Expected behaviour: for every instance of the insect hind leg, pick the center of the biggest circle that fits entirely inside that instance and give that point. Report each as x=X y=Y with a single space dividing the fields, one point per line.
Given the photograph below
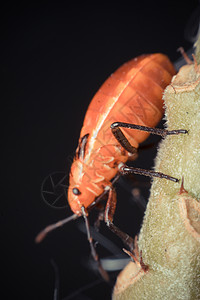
x=117 y=132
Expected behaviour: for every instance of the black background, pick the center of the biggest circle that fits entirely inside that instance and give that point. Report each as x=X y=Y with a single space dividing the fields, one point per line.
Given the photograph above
x=55 y=57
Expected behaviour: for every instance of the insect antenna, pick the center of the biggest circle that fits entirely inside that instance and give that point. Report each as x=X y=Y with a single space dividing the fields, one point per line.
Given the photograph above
x=51 y=227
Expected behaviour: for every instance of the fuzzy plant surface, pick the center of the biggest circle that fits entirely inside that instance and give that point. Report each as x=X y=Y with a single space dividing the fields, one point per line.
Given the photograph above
x=169 y=240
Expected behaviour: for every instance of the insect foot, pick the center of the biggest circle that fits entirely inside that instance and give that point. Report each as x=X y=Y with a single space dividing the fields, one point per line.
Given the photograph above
x=170 y=234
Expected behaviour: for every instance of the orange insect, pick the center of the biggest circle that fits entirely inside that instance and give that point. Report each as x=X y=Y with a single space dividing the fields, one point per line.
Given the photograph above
x=120 y=116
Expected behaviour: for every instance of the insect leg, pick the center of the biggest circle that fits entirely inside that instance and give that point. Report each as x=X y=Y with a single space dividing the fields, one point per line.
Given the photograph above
x=115 y=127
x=108 y=217
x=137 y=256
x=100 y=207
x=185 y=56
x=56 y=288
x=100 y=216
x=99 y=198
x=103 y=273
x=125 y=170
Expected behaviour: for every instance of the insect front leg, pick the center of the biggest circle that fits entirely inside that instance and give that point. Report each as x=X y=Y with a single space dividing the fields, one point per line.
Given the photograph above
x=108 y=217
x=95 y=256
x=100 y=216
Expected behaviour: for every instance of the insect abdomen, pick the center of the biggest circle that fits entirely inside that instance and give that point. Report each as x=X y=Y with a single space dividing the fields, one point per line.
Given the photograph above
x=132 y=94
x=141 y=101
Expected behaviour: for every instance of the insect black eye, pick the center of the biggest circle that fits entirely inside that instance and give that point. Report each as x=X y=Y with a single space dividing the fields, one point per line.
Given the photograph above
x=76 y=191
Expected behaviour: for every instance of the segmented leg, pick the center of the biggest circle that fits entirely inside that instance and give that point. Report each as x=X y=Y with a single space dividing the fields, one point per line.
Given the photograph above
x=115 y=127
x=136 y=256
x=103 y=272
x=125 y=170
x=185 y=56
x=108 y=217
x=100 y=216
x=98 y=199
x=117 y=132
